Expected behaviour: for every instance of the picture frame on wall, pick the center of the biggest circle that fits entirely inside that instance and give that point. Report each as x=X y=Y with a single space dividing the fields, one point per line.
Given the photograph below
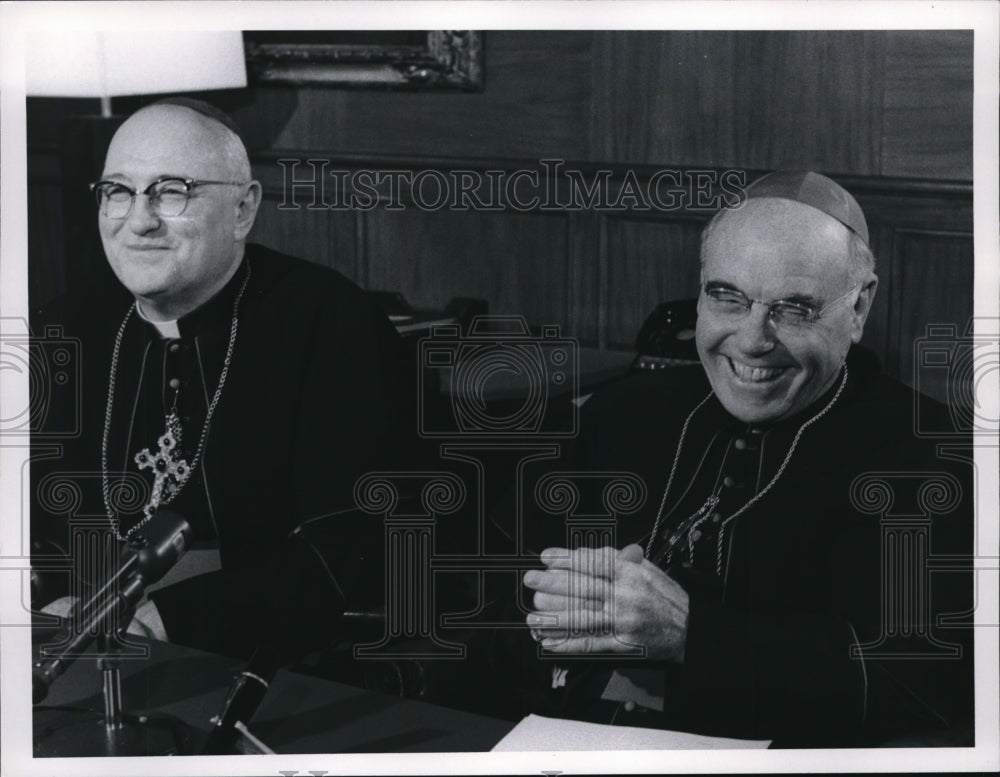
x=386 y=59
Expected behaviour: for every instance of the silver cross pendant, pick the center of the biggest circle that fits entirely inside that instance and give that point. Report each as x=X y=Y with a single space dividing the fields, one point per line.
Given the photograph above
x=683 y=529
x=170 y=471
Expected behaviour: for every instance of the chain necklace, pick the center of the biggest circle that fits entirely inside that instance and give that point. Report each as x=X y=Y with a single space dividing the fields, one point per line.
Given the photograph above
x=692 y=522
x=170 y=471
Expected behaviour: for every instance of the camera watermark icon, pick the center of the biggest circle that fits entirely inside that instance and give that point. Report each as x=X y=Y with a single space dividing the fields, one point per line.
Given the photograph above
x=51 y=362
x=500 y=380
x=963 y=369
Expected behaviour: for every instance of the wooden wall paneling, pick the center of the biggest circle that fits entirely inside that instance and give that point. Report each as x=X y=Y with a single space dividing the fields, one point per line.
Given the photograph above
x=811 y=99
x=927 y=124
x=649 y=262
x=322 y=236
x=432 y=256
x=663 y=97
x=604 y=304
x=47 y=278
x=877 y=335
x=910 y=211
x=757 y=100
x=66 y=153
x=518 y=262
x=47 y=269
x=536 y=103
x=362 y=264
x=926 y=205
x=584 y=304
x=932 y=285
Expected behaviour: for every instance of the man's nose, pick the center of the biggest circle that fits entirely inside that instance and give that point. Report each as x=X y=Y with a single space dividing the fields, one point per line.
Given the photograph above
x=756 y=332
x=142 y=218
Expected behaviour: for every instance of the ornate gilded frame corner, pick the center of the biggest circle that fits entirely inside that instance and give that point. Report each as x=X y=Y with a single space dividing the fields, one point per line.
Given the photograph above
x=428 y=59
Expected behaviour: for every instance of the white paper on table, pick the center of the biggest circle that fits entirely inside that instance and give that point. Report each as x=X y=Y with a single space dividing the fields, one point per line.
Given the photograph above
x=537 y=733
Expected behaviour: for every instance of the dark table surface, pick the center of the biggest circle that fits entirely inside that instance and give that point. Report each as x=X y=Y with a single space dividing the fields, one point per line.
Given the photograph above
x=300 y=714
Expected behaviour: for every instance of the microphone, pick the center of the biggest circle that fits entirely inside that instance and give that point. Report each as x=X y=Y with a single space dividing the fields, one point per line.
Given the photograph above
x=145 y=560
x=302 y=584
x=245 y=696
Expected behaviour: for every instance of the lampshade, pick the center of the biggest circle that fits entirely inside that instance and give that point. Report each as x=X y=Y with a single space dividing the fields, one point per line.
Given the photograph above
x=65 y=63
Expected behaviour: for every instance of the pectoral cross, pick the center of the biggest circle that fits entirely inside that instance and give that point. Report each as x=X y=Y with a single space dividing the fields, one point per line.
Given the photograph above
x=683 y=529
x=170 y=471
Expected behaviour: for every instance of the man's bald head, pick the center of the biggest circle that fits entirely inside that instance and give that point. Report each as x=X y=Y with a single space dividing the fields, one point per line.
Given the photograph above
x=201 y=136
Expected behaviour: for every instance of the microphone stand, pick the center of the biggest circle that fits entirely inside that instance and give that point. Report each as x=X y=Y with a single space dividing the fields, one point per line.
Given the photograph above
x=111 y=677
x=75 y=731
x=68 y=731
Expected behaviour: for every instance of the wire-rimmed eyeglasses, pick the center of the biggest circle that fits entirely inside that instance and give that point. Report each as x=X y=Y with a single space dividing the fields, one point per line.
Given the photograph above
x=168 y=196
x=726 y=301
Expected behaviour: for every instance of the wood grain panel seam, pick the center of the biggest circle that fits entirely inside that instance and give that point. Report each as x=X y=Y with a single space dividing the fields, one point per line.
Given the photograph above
x=604 y=303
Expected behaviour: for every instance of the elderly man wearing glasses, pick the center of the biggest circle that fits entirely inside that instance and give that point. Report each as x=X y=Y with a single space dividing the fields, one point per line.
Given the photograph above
x=760 y=592
x=241 y=388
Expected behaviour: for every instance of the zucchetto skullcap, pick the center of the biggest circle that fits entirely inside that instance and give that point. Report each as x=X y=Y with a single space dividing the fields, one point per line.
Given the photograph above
x=816 y=191
x=205 y=109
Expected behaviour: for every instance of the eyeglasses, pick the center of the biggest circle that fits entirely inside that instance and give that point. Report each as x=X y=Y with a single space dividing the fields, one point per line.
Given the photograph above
x=728 y=302
x=168 y=196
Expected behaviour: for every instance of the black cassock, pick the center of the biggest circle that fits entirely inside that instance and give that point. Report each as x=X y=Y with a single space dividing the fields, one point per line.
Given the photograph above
x=315 y=396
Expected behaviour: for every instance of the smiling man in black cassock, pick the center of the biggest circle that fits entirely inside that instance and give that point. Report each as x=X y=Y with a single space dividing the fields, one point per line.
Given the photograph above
x=244 y=389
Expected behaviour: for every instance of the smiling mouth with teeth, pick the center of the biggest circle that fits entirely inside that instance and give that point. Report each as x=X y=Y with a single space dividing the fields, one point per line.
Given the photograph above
x=755 y=374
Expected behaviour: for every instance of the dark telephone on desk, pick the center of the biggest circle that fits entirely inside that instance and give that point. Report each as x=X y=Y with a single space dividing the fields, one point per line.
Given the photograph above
x=410 y=322
x=667 y=336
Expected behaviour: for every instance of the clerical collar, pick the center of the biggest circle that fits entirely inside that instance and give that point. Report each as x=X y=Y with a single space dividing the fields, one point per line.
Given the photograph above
x=168 y=330
x=218 y=311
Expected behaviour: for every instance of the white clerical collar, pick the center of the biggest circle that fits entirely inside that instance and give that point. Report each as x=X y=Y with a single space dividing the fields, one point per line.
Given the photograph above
x=168 y=329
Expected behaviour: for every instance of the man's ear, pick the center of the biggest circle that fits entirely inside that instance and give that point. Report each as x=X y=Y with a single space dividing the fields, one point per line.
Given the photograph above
x=862 y=308
x=246 y=210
